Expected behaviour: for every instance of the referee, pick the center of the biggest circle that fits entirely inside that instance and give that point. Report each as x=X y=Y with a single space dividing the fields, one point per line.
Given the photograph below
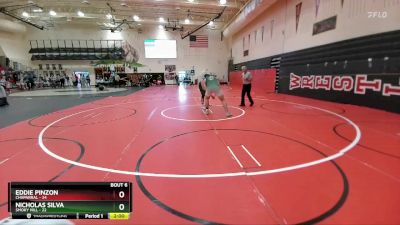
x=246 y=78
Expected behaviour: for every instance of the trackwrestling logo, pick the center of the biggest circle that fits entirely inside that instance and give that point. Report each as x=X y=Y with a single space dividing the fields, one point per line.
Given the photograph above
x=358 y=83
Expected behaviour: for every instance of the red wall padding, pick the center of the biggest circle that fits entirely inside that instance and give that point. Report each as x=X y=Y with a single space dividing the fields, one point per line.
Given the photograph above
x=263 y=80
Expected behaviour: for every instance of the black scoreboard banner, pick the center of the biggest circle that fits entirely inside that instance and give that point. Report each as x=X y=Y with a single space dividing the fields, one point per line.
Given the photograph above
x=70 y=200
x=373 y=90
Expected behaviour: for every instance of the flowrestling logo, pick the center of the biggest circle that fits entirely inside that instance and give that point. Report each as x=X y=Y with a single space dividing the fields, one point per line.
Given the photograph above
x=357 y=84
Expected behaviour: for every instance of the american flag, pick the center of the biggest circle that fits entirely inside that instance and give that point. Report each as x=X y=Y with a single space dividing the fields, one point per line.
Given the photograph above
x=198 y=41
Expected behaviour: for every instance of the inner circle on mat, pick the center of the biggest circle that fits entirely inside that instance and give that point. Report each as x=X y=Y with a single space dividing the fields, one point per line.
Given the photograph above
x=201 y=188
x=217 y=113
x=339 y=153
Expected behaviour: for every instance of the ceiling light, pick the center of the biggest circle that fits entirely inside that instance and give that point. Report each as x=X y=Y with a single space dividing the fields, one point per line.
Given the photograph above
x=222 y=2
x=160 y=26
x=25 y=14
x=136 y=18
x=124 y=4
x=187 y=21
x=211 y=23
x=52 y=13
x=161 y=20
x=38 y=10
x=109 y=16
x=139 y=24
x=190 y=0
x=80 y=14
x=86 y=2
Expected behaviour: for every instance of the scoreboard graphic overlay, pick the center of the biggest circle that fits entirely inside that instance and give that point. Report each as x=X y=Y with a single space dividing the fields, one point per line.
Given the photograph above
x=70 y=200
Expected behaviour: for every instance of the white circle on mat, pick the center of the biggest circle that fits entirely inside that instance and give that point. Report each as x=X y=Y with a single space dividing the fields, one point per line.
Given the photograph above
x=340 y=152
x=163 y=113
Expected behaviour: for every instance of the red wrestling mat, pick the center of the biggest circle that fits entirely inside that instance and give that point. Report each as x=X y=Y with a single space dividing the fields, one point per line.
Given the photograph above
x=268 y=164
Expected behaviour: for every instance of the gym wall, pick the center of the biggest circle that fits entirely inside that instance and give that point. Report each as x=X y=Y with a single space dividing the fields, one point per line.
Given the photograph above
x=283 y=29
x=263 y=81
x=358 y=62
x=362 y=71
x=15 y=47
x=214 y=58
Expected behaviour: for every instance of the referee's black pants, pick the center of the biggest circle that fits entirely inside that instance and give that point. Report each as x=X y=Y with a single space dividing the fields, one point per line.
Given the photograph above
x=246 y=89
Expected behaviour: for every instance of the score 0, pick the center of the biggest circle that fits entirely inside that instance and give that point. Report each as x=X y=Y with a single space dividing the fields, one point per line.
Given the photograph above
x=121 y=194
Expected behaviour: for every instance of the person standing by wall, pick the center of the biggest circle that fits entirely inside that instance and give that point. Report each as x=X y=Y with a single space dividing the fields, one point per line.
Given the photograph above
x=177 y=79
x=62 y=81
x=3 y=80
x=202 y=91
x=88 y=80
x=246 y=89
x=31 y=80
x=67 y=82
x=82 y=79
x=117 y=79
x=3 y=96
x=8 y=85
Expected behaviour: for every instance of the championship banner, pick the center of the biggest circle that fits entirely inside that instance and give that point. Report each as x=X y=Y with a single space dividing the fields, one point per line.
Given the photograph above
x=317 y=3
x=272 y=27
x=298 y=12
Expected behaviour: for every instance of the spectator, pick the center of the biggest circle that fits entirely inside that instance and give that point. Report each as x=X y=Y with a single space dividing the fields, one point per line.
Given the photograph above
x=53 y=81
x=46 y=82
x=74 y=80
x=82 y=79
x=116 y=80
x=8 y=85
x=31 y=81
x=3 y=81
x=88 y=80
x=177 y=79
x=62 y=81
x=3 y=96
x=67 y=81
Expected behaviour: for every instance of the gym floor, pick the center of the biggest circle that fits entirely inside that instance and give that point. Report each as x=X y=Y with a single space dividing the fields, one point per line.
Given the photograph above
x=286 y=160
x=28 y=104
